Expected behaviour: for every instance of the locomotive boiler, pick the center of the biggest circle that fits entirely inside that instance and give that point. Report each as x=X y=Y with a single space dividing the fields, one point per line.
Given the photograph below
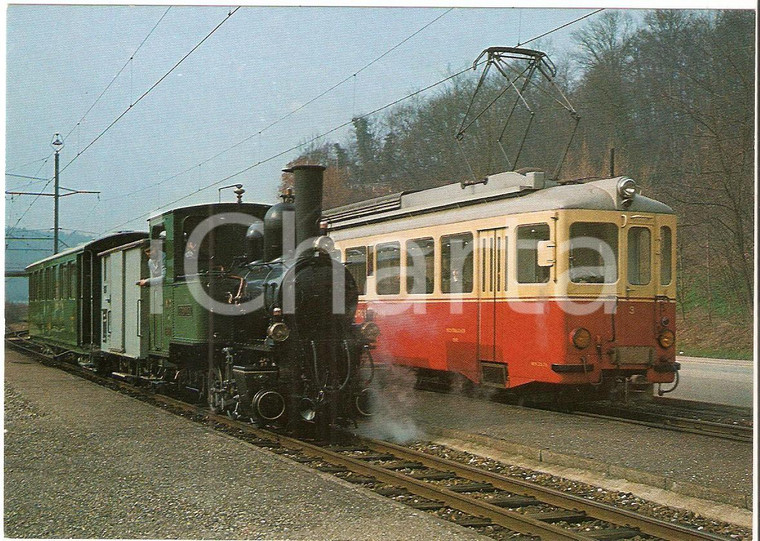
x=296 y=354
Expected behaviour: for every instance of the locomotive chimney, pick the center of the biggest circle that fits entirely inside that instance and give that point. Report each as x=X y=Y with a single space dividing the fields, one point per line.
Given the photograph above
x=308 y=188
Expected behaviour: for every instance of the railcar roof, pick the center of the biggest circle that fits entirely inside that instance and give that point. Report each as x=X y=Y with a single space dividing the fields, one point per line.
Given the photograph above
x=502 y=194
x=96 y=245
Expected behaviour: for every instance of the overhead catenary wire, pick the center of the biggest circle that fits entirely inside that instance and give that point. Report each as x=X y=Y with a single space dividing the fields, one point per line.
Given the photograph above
x=290 y=113
x=336 y=128
x=29 y=163
x=83 y=117
x=26 y=176
x=149 y=90
x=587 y=15
x=296 y=147
x=131 y=58
x=12 y=229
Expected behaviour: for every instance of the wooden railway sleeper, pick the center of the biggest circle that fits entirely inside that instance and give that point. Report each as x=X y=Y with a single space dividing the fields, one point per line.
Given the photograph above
x=597 y=510
x=512 y=520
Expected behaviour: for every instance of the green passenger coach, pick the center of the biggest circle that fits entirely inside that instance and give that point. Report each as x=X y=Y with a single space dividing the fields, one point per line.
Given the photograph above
x=64 y=292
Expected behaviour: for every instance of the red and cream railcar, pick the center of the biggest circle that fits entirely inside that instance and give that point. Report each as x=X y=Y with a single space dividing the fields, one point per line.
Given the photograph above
x=518 y=282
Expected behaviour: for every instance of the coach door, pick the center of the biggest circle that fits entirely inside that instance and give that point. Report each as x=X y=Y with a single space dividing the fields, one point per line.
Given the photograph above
x=492 y=245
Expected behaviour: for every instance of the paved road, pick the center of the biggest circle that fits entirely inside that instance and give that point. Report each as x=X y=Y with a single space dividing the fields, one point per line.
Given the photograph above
x=719 y=381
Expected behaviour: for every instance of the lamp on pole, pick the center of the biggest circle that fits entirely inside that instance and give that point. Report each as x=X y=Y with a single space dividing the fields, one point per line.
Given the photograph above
x=57 y=145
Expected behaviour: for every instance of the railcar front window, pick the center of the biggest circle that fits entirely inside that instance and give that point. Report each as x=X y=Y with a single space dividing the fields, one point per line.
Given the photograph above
x=666 y=254
x=356 y=263
x=639 y=256
x=456 y=263
x=593 y=253
x=388 y=268
x=420 y=257
x=528 y=269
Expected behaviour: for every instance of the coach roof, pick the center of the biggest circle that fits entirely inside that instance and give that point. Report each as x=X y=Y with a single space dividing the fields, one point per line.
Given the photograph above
x=96 y=245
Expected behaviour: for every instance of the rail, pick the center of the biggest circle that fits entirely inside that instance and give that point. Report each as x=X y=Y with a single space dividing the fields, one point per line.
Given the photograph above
x=485 y=498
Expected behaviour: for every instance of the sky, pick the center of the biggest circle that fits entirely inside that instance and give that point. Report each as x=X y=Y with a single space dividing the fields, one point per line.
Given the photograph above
x=231 y=111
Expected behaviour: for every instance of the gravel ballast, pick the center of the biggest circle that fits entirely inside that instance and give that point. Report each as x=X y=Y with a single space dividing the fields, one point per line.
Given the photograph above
x=82 y=461
x=688 y=464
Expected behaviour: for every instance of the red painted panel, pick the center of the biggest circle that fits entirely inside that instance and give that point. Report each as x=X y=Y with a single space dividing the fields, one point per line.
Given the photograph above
x=530 y=337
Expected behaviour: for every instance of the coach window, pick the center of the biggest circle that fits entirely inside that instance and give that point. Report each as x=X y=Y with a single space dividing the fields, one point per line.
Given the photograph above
x=73 y=281
x=666 y=255
x=456 y=263
x=388 y=268
x=65 y=281
x=593 y=253
x=356 y=263
x=639 y=255
x=420 y=262
x=57 y=281
x=528 y=269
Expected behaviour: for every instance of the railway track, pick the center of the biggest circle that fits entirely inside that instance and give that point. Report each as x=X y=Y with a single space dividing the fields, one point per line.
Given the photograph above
x=466 y=495
x=669 y=421
x=683 y=416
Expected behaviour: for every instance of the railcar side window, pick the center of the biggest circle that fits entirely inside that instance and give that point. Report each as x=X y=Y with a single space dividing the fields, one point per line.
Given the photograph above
x=639 y=256
x=528 y=269
x=356 y=263
x=388 y=268
x=593 y=253
x=370 y=260
x=420 y=261
x=666 y=254
x=456 y=263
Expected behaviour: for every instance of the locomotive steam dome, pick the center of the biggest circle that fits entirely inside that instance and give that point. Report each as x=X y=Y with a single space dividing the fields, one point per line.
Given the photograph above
x=274 y=221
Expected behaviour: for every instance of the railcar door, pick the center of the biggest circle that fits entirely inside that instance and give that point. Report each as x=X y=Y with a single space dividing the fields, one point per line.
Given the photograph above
x=639 y=260
x=492 y=274
x=635 y=309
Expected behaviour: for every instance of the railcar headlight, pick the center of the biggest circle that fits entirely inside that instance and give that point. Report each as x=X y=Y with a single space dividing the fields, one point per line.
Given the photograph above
x=370 y=331
x=581 y=338
x=626 y=188
x=278 y=331
x=666 y=338
x=324 y=244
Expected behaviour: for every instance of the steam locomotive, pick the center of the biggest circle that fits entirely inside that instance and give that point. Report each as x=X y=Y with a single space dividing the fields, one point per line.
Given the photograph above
x=244 y=306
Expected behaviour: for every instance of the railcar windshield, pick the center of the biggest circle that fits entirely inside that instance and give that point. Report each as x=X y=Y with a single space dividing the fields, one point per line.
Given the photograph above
x=528 y=269
x=593 y=253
